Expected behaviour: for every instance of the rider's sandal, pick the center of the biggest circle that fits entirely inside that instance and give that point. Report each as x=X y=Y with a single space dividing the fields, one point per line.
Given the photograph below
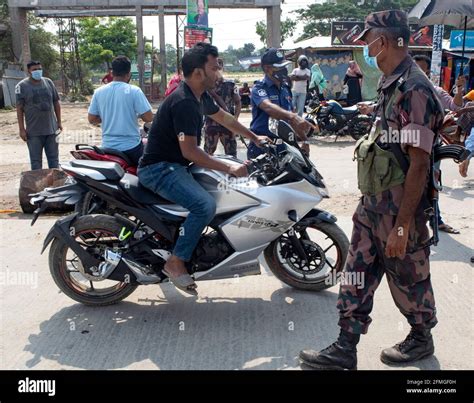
x=184 y=282
x=447 y=228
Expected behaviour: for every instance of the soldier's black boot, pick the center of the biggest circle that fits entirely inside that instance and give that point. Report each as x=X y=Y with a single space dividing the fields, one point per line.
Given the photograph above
x=340 y=355
x=418 y=344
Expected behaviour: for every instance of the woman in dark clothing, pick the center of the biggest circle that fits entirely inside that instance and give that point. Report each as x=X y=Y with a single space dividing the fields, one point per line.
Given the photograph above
x=353 y=80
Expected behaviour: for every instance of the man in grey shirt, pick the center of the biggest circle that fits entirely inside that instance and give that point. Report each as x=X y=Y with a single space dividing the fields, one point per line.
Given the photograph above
x=37 y=102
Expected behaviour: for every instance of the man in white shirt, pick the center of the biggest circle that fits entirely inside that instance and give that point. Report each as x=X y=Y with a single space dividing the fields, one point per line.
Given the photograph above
x=300 y=77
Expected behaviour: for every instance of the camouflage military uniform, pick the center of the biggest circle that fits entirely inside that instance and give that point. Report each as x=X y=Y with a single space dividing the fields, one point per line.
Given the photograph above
x=228 y=91
x=417 y=109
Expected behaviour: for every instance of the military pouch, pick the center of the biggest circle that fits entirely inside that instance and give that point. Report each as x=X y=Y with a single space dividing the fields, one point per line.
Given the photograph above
x=377 y=169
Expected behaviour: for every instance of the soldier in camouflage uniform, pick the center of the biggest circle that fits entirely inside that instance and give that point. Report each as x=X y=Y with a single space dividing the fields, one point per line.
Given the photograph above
x=226 y=95
x=390 y=232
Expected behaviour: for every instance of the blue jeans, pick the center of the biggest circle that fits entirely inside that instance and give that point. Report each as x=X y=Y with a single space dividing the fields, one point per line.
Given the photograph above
x=36 y=144
x=173 y=182
x=299 y=100
x=135 y=153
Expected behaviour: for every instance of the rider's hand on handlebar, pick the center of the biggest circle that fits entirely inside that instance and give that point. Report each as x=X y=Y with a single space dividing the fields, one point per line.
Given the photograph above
x=301 y=126
x=262 y=140
x=238 y=170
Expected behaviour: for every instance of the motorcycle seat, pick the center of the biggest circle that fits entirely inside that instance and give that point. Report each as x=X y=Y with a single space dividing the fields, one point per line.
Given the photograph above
x=350 y=110
x=140 y=193
x=116 y=153
x=111 y=170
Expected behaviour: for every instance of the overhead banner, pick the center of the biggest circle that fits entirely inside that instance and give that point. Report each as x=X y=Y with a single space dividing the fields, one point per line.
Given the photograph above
x=193 y=35
x=346 y=32
x=197 y=13
x=421 y=36
x=457 y=37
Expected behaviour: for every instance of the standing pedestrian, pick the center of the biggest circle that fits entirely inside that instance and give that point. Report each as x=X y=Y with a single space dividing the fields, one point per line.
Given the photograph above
x=390 y=230
x=318 y=82
x=300 y=77
x=109 y=77
x=353 y=81
x=37 y=103
x=226 y=95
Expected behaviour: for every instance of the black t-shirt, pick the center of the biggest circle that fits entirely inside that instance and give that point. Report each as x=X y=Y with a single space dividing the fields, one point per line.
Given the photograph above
x=180 y=113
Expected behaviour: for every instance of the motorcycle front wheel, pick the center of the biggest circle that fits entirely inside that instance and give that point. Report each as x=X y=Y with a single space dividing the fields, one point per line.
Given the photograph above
x=326 y=247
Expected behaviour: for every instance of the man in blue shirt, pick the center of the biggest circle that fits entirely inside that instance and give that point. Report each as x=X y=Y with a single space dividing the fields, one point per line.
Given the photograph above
x=118 y=105
x=271 y=98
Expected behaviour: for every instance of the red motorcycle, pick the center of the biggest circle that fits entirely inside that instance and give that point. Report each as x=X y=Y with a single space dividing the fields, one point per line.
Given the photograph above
x=88 y=152
x=92 y=204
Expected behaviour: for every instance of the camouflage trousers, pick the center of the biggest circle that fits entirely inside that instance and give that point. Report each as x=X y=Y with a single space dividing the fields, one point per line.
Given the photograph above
x=408 y=278
x=214 y=134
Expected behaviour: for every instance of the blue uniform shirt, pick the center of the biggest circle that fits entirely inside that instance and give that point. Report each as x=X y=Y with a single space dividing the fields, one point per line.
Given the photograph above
x=266 y=89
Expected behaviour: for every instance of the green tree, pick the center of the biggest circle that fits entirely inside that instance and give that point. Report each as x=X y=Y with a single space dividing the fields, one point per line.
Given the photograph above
x=170 y=59
x=245 y=51
x=101 y=39
x=43 y=43
x=317 y=18
x=288 y=27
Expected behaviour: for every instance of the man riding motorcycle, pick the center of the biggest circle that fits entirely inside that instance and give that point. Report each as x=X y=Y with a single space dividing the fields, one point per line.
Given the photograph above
x=173 y=143
x=117 y=106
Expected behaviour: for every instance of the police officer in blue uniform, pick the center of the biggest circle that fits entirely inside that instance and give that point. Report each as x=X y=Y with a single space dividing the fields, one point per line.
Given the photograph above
x=271 y=98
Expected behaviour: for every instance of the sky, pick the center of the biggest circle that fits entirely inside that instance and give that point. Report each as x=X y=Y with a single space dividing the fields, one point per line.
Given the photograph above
x=230 y=26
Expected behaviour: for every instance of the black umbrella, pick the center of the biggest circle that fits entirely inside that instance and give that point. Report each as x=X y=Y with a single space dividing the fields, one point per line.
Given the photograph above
x=458 y=13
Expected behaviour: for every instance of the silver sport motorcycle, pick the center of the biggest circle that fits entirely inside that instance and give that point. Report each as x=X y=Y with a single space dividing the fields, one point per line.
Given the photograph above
x=101 y=259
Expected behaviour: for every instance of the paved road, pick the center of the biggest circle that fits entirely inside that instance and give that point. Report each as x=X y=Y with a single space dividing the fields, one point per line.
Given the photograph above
x=248 y=323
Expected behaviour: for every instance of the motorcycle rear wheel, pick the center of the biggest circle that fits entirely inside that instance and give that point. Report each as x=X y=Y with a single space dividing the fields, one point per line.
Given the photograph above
x=288 y=268
x=63 y=263
x=360 y=126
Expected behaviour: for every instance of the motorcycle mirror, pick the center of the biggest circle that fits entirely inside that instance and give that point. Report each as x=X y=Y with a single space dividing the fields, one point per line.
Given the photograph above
x=286 y=132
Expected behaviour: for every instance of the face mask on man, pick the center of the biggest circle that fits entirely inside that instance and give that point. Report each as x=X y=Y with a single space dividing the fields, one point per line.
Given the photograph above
x=281 y=75
x=37 y=74
x=371 y=60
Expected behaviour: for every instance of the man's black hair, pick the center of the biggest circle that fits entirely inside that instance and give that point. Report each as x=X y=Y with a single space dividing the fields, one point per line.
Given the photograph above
x=196 y=57
x=121 y=66
x=423 y=58
x=33 y=63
